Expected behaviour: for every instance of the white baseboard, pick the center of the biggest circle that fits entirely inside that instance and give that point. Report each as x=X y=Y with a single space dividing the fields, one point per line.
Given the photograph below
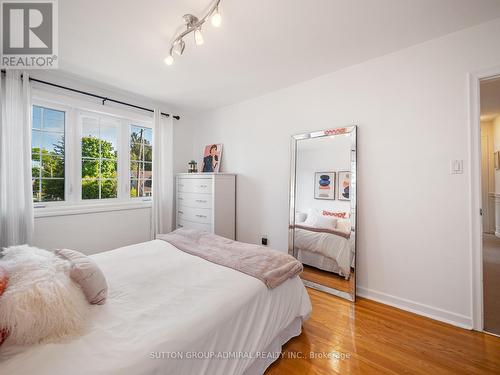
x=435 y=313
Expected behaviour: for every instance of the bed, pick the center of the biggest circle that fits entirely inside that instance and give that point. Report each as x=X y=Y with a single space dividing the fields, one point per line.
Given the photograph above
x=327 y=250
x=169 y=312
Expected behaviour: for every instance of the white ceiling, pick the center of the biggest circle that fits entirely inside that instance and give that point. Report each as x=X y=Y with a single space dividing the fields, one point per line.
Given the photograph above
x=263 y=45
x=490 y=99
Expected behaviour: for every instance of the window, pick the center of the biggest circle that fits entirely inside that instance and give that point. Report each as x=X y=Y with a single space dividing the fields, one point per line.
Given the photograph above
x=48 y=154
x=82 y=156
x=141 y=157
x=99 y=158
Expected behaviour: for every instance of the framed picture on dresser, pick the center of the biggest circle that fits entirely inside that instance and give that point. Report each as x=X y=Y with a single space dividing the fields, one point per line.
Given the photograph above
x=212 y=156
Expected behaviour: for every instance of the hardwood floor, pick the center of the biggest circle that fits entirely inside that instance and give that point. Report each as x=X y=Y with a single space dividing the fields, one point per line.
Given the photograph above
x=328 y=279
x=378 y=339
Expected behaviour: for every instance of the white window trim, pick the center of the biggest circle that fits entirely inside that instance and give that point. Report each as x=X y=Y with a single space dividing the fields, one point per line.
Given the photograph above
x=128 y=162
x=73 y=203
x=87 y=208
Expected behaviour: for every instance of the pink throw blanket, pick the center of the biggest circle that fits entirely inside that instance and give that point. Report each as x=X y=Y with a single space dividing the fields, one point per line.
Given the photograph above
x=270 y=266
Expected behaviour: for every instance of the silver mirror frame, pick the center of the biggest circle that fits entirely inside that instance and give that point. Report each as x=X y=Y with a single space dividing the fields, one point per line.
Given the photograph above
x=352 y=130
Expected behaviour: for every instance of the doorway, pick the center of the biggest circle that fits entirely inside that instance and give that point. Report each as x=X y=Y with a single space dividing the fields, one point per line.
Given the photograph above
x=489 y=94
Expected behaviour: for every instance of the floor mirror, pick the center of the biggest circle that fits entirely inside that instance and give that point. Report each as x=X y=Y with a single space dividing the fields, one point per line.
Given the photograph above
x=322 y=227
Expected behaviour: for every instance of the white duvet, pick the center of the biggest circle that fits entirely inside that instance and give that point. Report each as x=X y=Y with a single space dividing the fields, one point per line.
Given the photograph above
x=166 y=303
x=332 y=246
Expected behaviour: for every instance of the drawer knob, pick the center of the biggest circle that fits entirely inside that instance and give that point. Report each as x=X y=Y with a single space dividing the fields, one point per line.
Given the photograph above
x=181 y=212
x=201 y=201
x=180 y=225
x=198 y=215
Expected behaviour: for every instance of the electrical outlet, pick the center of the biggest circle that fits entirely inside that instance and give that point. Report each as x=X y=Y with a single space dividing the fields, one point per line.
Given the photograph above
x=264 y=240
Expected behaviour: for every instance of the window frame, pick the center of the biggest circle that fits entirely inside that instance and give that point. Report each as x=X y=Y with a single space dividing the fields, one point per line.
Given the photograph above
x=143 y=198
x=74 y=108
x=119 y=147
x=66 y=110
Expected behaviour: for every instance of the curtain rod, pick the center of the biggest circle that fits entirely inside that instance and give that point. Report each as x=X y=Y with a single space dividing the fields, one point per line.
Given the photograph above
x=103 y=98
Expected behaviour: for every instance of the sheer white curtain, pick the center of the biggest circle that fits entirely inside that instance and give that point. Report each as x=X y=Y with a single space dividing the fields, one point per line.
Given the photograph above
x=163 y=174
x=16 y=202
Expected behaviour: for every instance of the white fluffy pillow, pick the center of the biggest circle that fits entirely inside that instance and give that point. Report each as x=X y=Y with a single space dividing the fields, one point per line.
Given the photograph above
x=326 y=222
x=300 y=217
x=41 y=302
x=344 y=225
x=312 y=218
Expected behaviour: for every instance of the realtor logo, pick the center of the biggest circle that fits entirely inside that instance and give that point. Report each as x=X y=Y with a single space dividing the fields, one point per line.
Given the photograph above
x=28 y=34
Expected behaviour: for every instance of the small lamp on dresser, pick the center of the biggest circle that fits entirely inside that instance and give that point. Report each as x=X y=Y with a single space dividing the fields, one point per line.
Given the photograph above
x=193 y=167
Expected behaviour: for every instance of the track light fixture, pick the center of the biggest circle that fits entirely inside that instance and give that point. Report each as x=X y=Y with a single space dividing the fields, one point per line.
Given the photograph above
x=193 y=25
x=179 y=47
x=216 y=18
x=198 y=37
x=169 y=60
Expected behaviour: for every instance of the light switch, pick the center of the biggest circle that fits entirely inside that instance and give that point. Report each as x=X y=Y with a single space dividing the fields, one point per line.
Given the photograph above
x=457 y=167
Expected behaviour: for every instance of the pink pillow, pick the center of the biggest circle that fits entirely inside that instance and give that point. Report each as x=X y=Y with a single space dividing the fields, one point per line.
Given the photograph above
x=340 y=215
x=4 y=281
x=85 y=272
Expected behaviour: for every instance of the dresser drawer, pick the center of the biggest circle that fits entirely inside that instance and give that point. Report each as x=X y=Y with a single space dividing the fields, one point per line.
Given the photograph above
x=194 y=200
x=190 y=225
x=188 y=185
x=197 y=215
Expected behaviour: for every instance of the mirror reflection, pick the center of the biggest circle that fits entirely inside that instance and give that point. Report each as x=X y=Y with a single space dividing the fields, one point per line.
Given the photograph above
x=322 y=206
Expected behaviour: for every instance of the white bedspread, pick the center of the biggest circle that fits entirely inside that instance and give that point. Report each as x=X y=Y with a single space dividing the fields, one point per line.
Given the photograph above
x=338 y=248
x=162 y=300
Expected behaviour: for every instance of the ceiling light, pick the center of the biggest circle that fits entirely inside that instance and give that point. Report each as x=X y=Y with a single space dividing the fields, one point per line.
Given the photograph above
x=198 y=37
x=216 y=19
x=193 y=25
x=169 y=60
x=179 y=47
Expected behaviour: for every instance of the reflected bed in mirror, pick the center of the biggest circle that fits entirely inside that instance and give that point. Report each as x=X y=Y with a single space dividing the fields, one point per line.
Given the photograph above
x=323 y=209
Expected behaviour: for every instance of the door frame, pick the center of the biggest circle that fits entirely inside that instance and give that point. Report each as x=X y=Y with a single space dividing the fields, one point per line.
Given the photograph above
x=475 y=224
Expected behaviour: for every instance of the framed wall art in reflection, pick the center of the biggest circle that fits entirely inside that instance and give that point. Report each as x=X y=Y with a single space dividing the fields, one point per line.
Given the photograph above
x=324 y=185
x=344 y=185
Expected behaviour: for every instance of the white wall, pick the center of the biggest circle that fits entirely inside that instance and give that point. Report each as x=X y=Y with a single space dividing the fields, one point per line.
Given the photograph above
x=183 y=138
x=488 y=174
x=329 y=154
x=493 y=144
x=495 y=124
x=93 y=232
x=411 y=107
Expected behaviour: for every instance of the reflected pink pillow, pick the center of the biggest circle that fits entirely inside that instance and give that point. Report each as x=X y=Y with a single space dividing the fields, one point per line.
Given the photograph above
x=4 y=280
x=341 y=215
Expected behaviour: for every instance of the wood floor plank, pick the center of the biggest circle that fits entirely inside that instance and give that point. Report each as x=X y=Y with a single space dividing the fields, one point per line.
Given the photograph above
x=372 y=338
x=328 y=279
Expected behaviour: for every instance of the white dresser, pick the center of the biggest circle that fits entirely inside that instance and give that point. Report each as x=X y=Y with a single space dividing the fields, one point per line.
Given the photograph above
x=207 y=201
